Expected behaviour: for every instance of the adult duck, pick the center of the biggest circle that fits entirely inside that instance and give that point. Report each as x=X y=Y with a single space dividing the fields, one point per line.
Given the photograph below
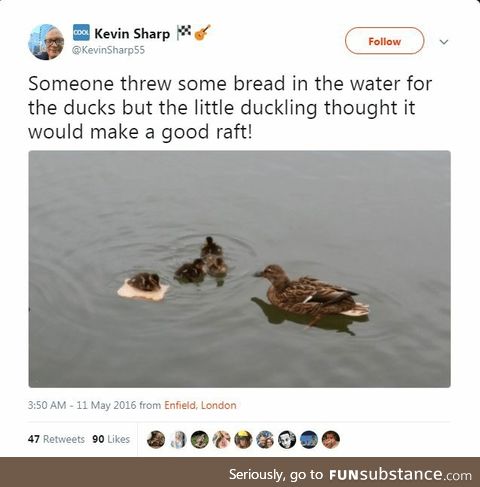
x=309 y=296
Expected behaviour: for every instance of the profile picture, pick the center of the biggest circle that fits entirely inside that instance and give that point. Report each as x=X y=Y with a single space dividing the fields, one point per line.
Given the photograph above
x=156 y=440
x=330 y=439
x=221 y=439
x=178 y=439
x=308 y=439
x=243 y=439
x=46 y=42
x=287 y=439
x=199 y=439
x=265 y=439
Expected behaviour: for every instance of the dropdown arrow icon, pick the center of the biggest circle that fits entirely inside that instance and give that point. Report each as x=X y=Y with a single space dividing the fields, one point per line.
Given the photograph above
x=443 y=42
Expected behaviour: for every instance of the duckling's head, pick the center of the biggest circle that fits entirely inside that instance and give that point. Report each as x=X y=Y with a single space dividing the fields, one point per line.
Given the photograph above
x=145 y=281
x=211 y=247
x=275 y=274
x=155 y=279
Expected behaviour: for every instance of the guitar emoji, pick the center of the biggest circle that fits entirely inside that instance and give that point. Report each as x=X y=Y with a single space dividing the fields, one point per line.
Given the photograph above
x=200 y=34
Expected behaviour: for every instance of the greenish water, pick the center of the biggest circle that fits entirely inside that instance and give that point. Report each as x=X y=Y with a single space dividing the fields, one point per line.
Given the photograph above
x=375 y=222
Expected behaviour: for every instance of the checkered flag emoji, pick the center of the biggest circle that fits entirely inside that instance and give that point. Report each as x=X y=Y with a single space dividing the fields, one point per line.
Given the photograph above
x=183 y=30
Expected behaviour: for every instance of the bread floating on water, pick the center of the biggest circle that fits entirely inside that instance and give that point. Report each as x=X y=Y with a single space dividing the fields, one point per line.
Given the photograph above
x=143 y=286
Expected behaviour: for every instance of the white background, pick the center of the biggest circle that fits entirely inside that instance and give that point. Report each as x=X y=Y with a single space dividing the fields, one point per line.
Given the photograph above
x=256 y=40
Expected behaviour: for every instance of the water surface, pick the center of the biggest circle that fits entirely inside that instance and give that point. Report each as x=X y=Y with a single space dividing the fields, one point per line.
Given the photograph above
x=376 y=222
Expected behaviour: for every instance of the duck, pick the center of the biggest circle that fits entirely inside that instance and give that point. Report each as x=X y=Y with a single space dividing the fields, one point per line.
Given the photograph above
x=191 y=271
x=309 y=296
x=211 y=248
x=144 y=285
x=144 y=281
x=216 y=266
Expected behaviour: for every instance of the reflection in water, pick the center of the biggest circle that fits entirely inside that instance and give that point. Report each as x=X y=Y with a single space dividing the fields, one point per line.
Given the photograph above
x=276 y=316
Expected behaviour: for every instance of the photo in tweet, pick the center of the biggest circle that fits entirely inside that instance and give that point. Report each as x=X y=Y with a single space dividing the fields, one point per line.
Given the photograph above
x=239 y=269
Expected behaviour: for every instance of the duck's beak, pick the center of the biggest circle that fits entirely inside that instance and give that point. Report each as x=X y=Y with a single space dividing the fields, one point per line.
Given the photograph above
x=258 y=274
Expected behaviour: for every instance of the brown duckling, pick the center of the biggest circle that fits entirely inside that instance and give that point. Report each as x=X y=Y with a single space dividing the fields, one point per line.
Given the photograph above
x=211 y=248
x=145 y=281
x=191 y=271
x=143 y=285
x=216 y=266
x=309 y=296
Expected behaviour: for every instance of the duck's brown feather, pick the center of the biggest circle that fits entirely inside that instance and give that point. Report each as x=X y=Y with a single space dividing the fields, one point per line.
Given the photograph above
x=309 y=296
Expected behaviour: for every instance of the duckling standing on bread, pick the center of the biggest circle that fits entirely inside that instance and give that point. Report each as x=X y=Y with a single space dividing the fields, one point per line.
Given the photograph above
x=143 y=285
x=145 y=281
x=191 y=271
x=216 y=266
x=309 y=296
x=211 y=248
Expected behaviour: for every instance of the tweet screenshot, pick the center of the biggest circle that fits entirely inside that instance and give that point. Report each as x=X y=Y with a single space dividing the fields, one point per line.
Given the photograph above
x=239 y=242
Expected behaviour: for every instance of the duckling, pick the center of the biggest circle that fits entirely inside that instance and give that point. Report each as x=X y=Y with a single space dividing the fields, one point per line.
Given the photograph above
x=145 y=281
x=309 y=296
x=143 y=285
x=191 y=271
x=216 y=266
x=211 y=248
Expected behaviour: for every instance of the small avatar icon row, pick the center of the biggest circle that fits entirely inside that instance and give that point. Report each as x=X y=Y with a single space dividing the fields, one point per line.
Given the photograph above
x=243 y=439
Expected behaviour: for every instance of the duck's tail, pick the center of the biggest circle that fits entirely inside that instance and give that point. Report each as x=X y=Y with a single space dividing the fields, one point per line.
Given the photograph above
x=359 y=309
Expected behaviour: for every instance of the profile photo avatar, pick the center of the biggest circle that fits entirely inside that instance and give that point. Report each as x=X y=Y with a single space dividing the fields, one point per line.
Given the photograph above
x=46 y=42
x=287 y=439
